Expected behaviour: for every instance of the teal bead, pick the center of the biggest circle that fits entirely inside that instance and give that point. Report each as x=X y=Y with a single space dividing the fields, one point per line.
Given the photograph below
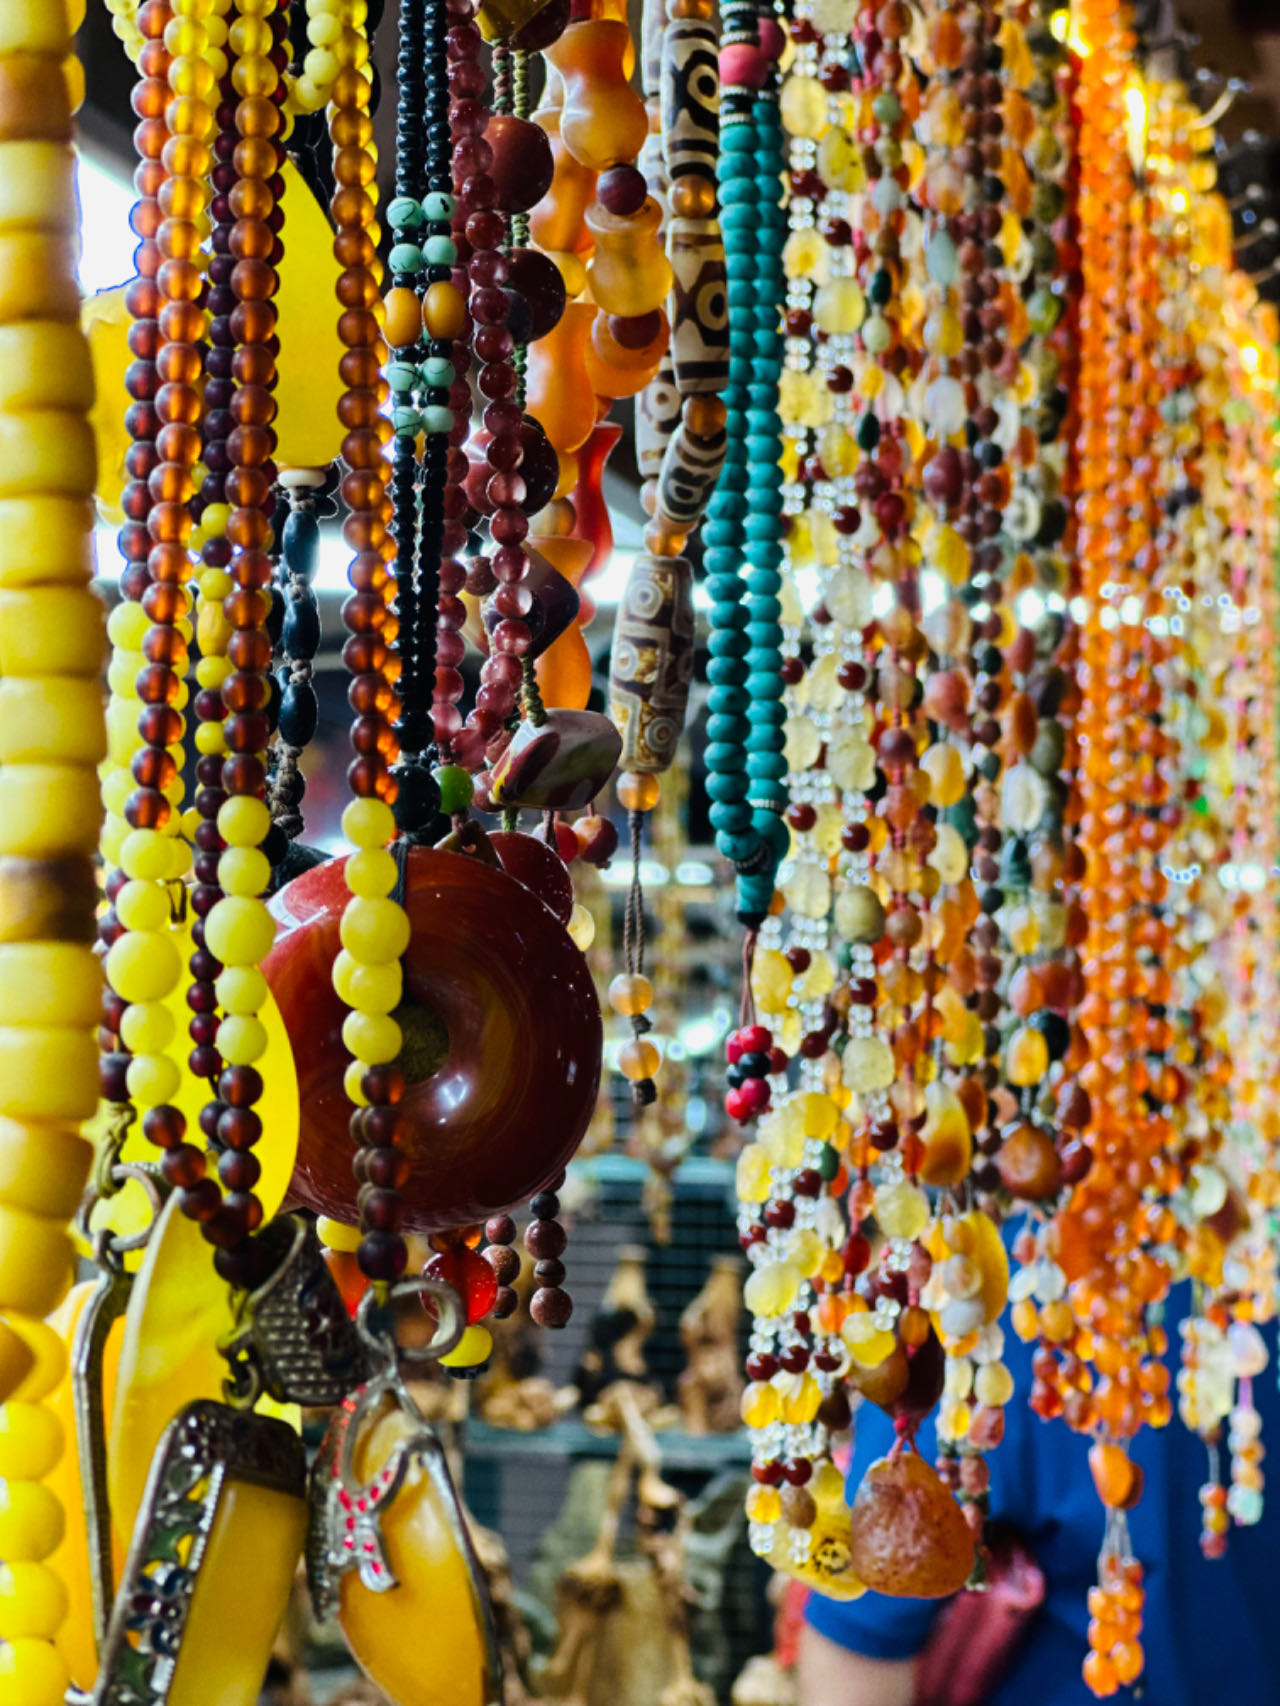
x=728 y=616
x=726 y=700
x=727 y=787
x=720 y=588
x=402 y=376
x=405 y=213
x=728 y=672
x=440 y=251
x=727 y=644
x=439 y=206
x=437 y=370
x=405 y=258
x=765 y=609
x=764 y=528
x=764 y=632
x=880 y=290
x=768 y=343
x=765 y=686
x=725 y=757
x=763 y=582
x=739 y=369
x=407 y=422
x=763 y=738
x=767 y=767
x=437 y=417
x=753 y=897
x=733 y=815
x=734 y=479
x=725 y=731
x=773 y=832
x=718 y=556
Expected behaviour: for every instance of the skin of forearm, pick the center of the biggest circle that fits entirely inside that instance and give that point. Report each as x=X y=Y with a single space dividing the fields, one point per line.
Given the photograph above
x=830 y=1675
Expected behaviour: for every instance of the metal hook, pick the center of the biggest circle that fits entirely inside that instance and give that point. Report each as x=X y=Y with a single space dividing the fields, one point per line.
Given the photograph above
x=451 y=1322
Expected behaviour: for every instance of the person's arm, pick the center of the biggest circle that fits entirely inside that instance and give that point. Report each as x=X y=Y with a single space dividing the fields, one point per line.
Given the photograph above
x=828 y=1674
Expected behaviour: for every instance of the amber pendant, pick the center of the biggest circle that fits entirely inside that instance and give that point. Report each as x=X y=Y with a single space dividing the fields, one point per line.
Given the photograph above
x=214 y=1553
x=388 y=1549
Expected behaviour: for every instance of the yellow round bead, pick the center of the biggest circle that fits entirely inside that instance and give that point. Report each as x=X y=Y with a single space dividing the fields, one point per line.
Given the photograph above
x=368 y=823
x=242 y=1039
x=143 y=965
x=760 y=1404
x=369 y=989
x=146 y=854
x=351 y=1084
x=372 y=873
x=473 y=1348
x=638 y=1059
x=31 y=1441
x=31 y=1521
x=244 y=871
x=142 y=905
x=243 y=821
x=374 y=931
x=1027 y=1057
x=637 y=791
x=153 y=1079
x=372 y=1038
x=33 y=1602
x=764 y=1504
x=241 y=989
x=147 y=1027
x=239 y=931
x=630 y=993
x=210 y=740
x=31 y=1674
x=47 y=1357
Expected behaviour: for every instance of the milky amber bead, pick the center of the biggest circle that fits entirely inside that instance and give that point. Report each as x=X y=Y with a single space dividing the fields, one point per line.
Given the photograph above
x=1026 y=1057
x=839 y=307
x=639 y=1058
x=771 y=1289
x=558 y=385
x=556 y=223
x=760 y=1404
x=630 y=993
x=867 y=1343
x=404 y=317
x=638 y=792
x=802 y=106
x=753 y=1174
x=902 y=1210
x=629 y=273
x=602 y=120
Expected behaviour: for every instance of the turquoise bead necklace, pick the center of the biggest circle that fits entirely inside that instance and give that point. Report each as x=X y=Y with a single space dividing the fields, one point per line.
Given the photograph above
x=744 y=527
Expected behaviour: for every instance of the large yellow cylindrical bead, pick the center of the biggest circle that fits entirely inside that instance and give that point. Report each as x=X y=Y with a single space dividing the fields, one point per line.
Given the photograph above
x=44 y=364
x=45 y=539
x=55 y=630
x=45 y=450
x=49 y=983
x=57 y=718
x=47 y=1074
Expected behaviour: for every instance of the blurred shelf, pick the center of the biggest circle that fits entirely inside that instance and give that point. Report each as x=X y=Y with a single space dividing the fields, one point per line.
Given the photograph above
x=572 y=1439
x=695 y=1170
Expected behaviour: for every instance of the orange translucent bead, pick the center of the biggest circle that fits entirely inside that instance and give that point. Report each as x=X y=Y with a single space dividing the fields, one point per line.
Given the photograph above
x=602 y=120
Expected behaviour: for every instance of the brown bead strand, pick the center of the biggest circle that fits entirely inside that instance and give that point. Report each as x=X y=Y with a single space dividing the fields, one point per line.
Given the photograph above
x=545 y=1240
x=500 y=1232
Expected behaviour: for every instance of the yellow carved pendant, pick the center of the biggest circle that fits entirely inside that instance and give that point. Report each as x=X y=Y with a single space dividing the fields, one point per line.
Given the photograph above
x=389 y=1551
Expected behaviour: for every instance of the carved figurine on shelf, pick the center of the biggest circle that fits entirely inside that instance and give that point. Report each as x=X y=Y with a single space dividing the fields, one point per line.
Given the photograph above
x=617 y=1336
x=513 y=1392
x=710 y=1388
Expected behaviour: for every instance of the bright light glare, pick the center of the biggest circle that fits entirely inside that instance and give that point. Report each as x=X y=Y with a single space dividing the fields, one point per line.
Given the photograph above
x=106 y=242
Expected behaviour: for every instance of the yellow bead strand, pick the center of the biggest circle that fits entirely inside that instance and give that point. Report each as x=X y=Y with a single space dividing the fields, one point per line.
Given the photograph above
x=50 y=984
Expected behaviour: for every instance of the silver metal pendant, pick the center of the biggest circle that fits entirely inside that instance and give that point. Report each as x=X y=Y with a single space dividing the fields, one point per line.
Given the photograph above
x=295 y=1340
x=208 y=1451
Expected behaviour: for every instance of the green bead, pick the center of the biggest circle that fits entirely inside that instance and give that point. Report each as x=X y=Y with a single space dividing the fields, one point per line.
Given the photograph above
x=886 y=108
x=456 y=788
x=437 y=370
x=402 y=376
x=404 y=213
x=438 y=207
x=405 y=258
x=440 y=251
x=437 y=417
x=407 y=422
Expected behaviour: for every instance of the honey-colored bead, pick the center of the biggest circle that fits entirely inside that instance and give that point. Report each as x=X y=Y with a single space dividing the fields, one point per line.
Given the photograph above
x=444 y=311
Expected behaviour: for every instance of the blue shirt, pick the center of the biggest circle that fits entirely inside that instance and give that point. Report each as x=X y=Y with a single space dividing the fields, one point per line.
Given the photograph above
x=1211 y=1629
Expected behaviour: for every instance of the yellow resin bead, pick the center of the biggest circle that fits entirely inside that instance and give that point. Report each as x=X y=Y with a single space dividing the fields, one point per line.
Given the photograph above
x=144 y=965
x=145 y=854
x=351 y=1084
x=153 y=1079
x=944 y=767
x=240 y=931
x=243 y=821
x=31 y=1521
x=143 y=906
x=374 y=931
x=33 y=1602
x=839 y=307
x=473 y=1348
x=371 y=1038
x=827 y=1486
x=867 y=1344
x=630 y=993
x=1026 y=1058
x=241 y=989
x=994 y=1385
x=819 y=1113
x=639 y=1058
x=771 y=1289
x=760 y=1404
x=31 y=1441
x=801 y=1396
x=42 y=450
x=48 y=810
x=802 y=106
x=58 y=719
x=753 y=1170
x=581 y=927
x=242 y=1039
x=244 y=871
x=31 y=1674
x=47 y=1073
x=371 y=873
x=45 y=539
x=335 y=1236
x=902 y=1210
x=764 y=1504
x=49 y=983
x=43 y=1168
x=370 y=989
x=47 y=1356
